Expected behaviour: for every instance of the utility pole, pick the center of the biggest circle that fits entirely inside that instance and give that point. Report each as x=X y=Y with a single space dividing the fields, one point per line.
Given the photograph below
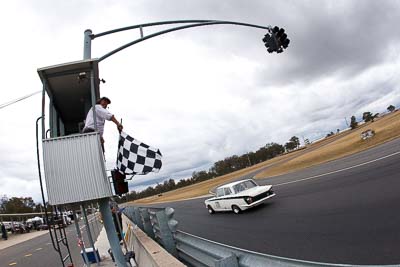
x=87 y=45
x=248 y=158
x=104 y=203
x=346 y=121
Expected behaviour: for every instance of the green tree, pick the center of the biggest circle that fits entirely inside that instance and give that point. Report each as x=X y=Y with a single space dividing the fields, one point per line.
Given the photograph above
x=391 y=108
x=353 y=122
x=19 y=205
x=367 y=116
x=290 y=146
x=295 y=140
x=266 y=152
x=222 y=167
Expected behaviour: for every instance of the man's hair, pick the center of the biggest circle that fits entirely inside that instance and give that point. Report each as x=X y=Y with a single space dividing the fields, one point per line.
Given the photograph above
x=105 y=99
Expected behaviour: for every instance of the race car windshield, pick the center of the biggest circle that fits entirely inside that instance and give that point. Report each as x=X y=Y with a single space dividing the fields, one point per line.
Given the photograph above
x=244 y=186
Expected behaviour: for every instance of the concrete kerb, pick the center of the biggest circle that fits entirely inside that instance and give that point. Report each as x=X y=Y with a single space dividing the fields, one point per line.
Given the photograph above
x=147 y=252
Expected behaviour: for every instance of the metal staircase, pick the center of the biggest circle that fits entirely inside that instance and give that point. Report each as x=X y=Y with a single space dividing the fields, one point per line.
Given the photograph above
x=58 y=237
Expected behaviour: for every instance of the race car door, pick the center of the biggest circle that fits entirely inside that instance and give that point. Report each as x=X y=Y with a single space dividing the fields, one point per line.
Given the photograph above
x=218 y=203
x=227 y=202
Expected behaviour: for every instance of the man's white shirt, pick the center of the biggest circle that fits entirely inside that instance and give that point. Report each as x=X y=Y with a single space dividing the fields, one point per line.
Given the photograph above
x=102 y=115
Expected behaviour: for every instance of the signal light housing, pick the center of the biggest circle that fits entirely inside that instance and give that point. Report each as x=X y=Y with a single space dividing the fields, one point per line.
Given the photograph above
x=120 y=185
x=276 y=40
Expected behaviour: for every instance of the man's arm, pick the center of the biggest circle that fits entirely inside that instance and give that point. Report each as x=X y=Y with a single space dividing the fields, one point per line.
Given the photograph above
x=119 y=125
x=104 y=113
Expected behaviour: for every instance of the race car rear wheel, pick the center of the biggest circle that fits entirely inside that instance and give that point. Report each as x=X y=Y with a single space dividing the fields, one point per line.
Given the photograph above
x=210 y=209
x=236 y=209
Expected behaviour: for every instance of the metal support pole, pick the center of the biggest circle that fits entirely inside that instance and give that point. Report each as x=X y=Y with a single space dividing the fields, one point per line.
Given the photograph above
x=93 y=94
x=201 y=24
x=111 y=232
x=96 y=221
x=78 y=233
x=119 y=225
x=141 y=32
x=43 y=111
x=89 y=233
x=87 y=45
x=87 y=54
x=104 y=205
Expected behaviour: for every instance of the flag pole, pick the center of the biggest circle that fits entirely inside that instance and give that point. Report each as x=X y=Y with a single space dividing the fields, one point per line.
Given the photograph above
x=119 y=137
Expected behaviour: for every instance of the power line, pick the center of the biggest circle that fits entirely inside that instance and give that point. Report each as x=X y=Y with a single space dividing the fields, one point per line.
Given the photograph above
x=18 y=99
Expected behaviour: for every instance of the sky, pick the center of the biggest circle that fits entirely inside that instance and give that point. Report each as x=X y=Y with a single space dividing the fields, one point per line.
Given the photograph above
x=202 y=94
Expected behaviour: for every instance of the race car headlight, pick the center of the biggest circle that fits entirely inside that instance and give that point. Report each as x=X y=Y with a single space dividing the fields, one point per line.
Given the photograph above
x=248 y=200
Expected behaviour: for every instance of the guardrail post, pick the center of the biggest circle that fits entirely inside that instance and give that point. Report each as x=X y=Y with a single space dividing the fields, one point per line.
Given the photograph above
x=138 y=220
x=148 y=228
x=230 y=261
x=172 y=223
x=164 y=220
x=128 y=211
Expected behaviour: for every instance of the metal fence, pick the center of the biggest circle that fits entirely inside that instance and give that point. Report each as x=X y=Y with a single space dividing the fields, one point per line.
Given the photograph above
x=159 y=224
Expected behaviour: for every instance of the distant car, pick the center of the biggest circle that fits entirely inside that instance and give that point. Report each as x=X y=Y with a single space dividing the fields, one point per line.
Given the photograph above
x=18 y=227
x=43 y=227
x=239 y=196
x=34 y=223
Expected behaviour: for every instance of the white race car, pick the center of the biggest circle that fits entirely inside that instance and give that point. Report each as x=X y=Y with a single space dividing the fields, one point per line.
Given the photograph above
x=239 y=196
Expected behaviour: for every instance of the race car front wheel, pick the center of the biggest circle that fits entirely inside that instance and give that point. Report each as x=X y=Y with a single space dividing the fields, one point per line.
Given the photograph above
x=210 y=209
x=236 y=209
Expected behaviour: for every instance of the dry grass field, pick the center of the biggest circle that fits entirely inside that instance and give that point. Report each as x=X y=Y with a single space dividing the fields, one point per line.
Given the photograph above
x=334 y=147
x=386 y=129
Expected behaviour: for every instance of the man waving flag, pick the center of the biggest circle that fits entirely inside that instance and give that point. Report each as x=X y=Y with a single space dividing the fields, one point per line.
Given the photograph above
x=135 y=157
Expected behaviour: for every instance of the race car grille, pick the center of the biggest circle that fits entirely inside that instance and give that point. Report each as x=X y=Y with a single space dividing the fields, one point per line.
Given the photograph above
x=262 y=195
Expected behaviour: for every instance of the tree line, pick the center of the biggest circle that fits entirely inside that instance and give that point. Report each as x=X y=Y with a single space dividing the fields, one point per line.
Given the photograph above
x=219 y=168
x=19 y=205
x=368 y=116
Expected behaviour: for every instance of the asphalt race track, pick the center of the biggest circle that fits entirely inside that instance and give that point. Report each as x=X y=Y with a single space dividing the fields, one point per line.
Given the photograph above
x=39 y=251
x=344 y=211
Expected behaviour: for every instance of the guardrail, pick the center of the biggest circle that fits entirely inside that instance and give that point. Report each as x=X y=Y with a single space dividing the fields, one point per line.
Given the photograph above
x=159 y=224
x=147 y=252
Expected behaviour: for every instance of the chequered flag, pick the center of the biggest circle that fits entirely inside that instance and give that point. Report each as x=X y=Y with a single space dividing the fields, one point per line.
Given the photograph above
x=135 y=157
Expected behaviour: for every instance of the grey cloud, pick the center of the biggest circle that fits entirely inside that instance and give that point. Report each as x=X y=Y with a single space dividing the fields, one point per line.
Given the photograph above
x=342 y=41
x=338 y=64
x=326 y=39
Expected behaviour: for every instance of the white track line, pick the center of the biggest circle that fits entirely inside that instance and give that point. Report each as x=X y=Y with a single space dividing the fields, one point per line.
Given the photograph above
x=341 y=170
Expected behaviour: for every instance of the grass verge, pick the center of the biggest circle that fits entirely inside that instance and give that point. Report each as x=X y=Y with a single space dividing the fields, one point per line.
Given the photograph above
x=386 y=129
